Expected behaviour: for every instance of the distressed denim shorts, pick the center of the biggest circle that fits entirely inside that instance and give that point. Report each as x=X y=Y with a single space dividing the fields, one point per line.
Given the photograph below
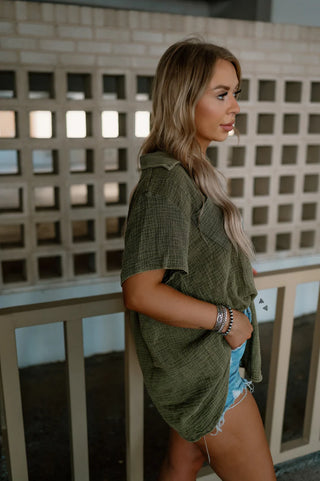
x=237 y=384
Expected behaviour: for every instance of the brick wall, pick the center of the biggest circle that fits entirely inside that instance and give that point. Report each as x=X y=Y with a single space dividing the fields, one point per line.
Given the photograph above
x=65 y=181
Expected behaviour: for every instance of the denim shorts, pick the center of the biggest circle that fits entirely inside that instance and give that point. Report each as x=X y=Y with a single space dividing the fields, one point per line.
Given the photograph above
x=237 y=384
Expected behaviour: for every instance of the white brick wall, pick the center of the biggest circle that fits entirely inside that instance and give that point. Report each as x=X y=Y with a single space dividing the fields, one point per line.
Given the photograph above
x=63 y=39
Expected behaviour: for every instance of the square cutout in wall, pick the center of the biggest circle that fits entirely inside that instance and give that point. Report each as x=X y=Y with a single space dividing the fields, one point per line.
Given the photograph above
x=236 y=187
x=115 y=227
x=285 y=213
x=261 y=186
x=293 y=91
x=8 y=124
x=245 y=90
x=265 y=124
x=10 y=162
x=212 y=154
x=289 y=154
x=78 y=86
x=311 y=183
x=78 y=124
x=115 y=193
x=286 y=184
x=11 y=199
x=46 y=198
x=81 y=161
x=41 y=85
x=267 y=91
x=113 y=87
x=11 y=236
x=14 y=271
x=307 y=239
x=283 y=241
x=144 y=87
x=241 y=123
x=291 y=123
x=48 y=233
x=260 y=215
x=83 y=230
x=309 y=211
x=259 y=243
x=45 y=162
x=114 y=260
x=7 y=84
x=115 y=159
x=314 y=124
x=41 y=124
x=315 y=92
x=84 y=263
x=49 y=267
x=237 y=156
x=263 y=155
x=81 y=195
x=313 y=154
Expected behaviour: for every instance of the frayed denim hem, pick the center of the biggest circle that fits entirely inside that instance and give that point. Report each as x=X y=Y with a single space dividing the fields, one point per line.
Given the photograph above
x=248 y=386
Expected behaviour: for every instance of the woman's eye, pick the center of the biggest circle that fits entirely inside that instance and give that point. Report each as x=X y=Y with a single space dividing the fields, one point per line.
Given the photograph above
x=221 y=96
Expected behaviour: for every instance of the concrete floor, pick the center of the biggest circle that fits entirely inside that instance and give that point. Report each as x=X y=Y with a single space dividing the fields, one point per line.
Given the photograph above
x=46 y=416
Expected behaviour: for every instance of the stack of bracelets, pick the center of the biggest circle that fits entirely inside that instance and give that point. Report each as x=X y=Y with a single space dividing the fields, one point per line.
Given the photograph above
x=222 y=318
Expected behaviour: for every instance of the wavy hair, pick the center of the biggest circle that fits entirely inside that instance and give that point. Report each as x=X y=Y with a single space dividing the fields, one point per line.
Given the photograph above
x=181 y=78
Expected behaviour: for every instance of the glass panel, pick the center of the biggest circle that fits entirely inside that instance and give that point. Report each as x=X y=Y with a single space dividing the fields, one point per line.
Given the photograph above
x=263 y=154
x=265 y=124
x=40 y=122
x=115 y=159
x=309 y=211
x=114 y=193
x=307 y=239
x=285 y=213
x=311 y=183
x=291 y=123
x=81 y=160
x=260 y=243
x=81 y=195
x=261 y=185
x=314 y=124
x=115 y=227
x=313 y=154
x=315 y=92
x=236 y=187
x=283 y=241
x=245 y=84
x=260 y=215
x=237 y=156
x=110 y=124
x=286 y=184
x=114 y=260
x=289 y=154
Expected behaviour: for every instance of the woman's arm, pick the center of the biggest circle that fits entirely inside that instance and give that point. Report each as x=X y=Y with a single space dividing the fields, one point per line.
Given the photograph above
x=145 y=293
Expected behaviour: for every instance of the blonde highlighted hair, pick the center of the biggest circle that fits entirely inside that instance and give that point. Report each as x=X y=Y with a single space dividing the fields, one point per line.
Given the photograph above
x=181 y=78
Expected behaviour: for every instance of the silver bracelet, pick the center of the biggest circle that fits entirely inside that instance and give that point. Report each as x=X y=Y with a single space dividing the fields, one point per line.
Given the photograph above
x=230 y=323
x=221 y=318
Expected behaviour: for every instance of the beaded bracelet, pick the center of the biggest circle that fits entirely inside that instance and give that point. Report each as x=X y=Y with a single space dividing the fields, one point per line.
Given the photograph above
x=230 y=323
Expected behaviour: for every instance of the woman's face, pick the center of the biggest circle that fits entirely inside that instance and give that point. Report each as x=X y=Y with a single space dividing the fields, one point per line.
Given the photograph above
x=216 y=110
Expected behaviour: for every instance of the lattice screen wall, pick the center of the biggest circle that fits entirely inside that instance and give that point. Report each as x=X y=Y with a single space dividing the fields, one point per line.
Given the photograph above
x=71 y=123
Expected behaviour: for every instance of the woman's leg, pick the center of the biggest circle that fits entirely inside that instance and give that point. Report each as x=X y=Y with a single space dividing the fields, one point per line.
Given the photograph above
x=183 y=460
x=240 y=451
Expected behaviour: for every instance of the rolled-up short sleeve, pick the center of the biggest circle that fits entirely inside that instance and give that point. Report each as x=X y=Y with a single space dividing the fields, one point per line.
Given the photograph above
x=157 y=236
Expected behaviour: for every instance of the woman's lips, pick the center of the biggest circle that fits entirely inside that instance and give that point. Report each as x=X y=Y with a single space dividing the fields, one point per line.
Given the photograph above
x=227 y=127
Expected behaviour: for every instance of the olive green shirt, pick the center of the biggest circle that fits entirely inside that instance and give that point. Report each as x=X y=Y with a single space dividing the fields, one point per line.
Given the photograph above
x=173 y=226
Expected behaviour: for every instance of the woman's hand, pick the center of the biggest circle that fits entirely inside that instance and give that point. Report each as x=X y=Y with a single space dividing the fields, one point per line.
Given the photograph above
x=241 y=330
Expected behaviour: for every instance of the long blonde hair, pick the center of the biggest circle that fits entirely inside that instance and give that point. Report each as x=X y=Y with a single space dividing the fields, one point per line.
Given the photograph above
x=181 y=78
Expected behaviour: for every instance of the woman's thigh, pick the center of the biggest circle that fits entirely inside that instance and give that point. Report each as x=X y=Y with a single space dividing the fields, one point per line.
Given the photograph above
x=183 y=460
x=240 y=451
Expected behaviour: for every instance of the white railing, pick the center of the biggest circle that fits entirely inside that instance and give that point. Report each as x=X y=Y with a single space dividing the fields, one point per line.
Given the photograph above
x=71 y=313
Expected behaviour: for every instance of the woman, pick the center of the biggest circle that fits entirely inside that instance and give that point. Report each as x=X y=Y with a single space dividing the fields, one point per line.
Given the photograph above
x=187 y=276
